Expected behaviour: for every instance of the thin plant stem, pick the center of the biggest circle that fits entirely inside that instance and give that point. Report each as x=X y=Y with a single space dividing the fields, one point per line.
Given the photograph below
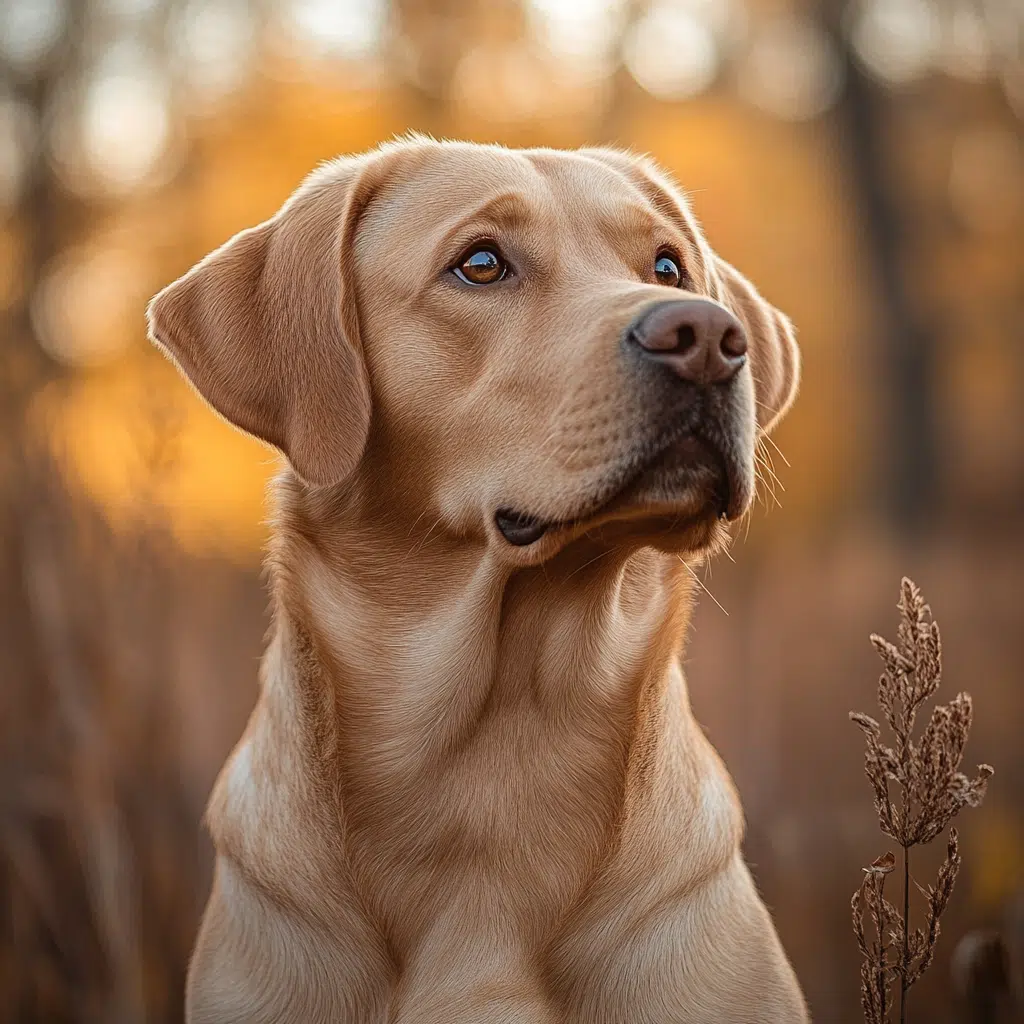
x=882 y=983
x=906 y=934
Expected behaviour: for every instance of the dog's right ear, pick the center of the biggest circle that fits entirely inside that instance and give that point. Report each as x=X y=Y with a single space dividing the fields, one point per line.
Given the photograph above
x=774 y=355
x=266 y=327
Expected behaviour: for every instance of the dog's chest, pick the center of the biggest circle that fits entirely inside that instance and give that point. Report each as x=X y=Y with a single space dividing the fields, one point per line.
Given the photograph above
x=502 y=835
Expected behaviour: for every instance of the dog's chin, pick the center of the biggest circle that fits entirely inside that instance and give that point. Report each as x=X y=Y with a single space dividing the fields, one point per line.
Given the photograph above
x=678 y=501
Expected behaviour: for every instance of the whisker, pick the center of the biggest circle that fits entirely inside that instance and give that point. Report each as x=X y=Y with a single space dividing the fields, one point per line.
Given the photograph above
x=770 y=469
x=760 y=448
x=770 y=440
x=415 y=521
x=769 y=486
x=763 y=458
x=700 y=583
x=600 y=554
x=423 y=540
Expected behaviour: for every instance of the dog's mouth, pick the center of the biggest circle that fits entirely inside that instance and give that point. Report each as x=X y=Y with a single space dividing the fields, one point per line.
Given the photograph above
x=519 y=528
x=666 y=477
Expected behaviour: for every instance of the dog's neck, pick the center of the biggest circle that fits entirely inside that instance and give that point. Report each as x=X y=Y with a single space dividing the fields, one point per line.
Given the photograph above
x=461 y=710
x=428 y=639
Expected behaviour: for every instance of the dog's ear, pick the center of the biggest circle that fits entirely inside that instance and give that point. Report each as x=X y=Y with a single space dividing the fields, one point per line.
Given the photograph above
x=774 y=356
x=266 y=328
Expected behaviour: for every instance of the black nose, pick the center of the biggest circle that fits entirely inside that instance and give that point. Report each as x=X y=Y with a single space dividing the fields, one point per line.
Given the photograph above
x=700 y=340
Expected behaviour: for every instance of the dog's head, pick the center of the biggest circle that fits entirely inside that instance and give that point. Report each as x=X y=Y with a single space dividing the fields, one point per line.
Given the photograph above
x=526 y=344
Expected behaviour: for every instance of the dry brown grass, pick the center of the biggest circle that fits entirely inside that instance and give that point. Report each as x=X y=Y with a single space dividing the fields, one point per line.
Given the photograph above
x=932 y=791
x=103 y=867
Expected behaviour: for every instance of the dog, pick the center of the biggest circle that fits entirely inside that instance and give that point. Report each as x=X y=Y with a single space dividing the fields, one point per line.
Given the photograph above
x=518 y=395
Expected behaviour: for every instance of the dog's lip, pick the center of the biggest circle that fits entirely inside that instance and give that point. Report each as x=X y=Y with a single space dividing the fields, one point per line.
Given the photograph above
x=696 y=449
x=522 y=529
x=519 y=528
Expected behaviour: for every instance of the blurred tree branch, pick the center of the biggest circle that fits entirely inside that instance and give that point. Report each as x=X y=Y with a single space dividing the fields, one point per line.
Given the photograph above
x=904 y=352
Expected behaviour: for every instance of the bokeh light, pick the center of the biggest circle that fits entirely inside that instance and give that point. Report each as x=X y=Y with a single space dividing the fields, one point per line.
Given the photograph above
x=323 y=28
x=967 y=50
x=86 y=303
x=29 y=29
x=119 y=127
x=791 y=69
x=672 y=52
x=897 y=40
x=581 y=33
x=211 y=47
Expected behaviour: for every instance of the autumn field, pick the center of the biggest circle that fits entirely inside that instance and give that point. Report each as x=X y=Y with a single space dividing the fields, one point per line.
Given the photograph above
x=862 y=162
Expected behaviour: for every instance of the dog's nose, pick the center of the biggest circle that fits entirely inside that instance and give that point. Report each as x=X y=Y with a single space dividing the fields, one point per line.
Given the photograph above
x=700 y=340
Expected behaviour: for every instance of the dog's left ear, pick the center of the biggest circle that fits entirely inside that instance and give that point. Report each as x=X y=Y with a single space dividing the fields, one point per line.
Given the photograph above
x=773 y=353
x=266 y=329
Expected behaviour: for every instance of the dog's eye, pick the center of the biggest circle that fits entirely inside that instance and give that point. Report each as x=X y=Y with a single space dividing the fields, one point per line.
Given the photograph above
x=667 y=271
x=481 y=266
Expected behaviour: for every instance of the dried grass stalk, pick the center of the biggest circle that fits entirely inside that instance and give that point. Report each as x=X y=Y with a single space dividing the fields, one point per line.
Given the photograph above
x=931 y=791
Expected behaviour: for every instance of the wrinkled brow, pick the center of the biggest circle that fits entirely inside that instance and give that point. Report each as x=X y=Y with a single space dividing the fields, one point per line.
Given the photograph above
x=631 y=219
x=667 y=205
x=505 y=211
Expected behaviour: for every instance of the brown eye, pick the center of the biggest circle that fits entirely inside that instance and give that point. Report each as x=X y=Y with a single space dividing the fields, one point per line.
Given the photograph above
x=666 y=270
x=481 y=266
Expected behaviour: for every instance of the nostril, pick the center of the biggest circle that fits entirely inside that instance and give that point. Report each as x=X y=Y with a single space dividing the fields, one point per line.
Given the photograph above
x=686 y=337
x=699 y=340
x=734 y=343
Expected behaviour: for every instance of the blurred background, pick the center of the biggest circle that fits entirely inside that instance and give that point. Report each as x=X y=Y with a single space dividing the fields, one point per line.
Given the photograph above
x=861 y=160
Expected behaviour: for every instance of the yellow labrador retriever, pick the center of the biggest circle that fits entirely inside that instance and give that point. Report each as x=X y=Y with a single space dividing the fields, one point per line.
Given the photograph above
x=519 y=396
